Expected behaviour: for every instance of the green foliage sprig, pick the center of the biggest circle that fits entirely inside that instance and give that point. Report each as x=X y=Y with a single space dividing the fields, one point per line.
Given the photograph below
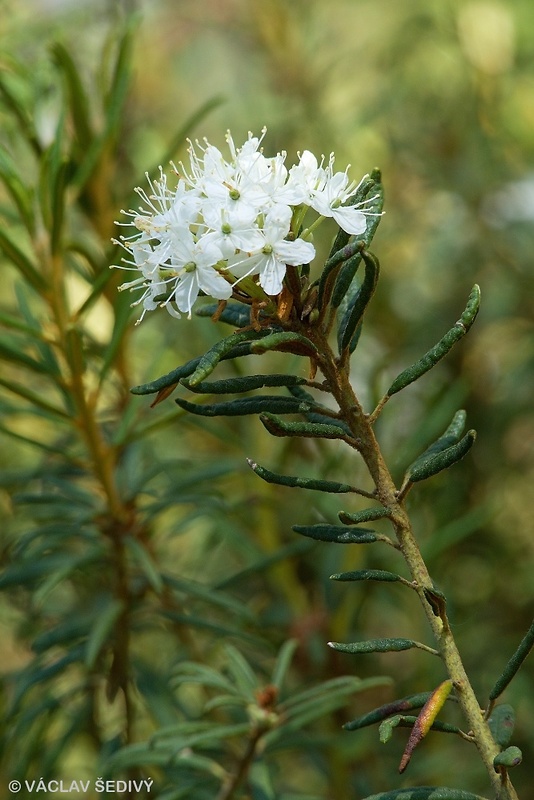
x=302 y=323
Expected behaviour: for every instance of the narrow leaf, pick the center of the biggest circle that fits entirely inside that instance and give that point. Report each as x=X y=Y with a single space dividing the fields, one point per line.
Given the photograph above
x=143 y=559
x=283 y=661
x=241 y=671
x=314 y=430
x=369 y=575
x=209 y=360
x=246 y=405
x=22 y=263
x=385 y=730
x=511 y=757
x=374 y=646
x=246 y=383
x=235 y=314
x=101 y=630
x=36 y=400
x=426 y=793
x=194 y=672
x=449 y=437
x=378 y=714
x=286 y=342
x=173 y=378
x=17 y=190
x=366 y=515
x=301 y=483
x=331 y=268
x=58 y=190
x=501 y=724
x=440 y=461
x=424 y=720
x=336 y=533
x=525 y=646
x=77 y=98
x=440 y=350
x=356 y=311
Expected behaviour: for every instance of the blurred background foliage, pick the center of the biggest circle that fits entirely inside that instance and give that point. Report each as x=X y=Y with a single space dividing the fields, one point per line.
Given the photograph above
x=136 y=539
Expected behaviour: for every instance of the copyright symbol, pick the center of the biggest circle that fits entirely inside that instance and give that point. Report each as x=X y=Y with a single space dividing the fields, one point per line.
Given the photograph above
x=14 y=786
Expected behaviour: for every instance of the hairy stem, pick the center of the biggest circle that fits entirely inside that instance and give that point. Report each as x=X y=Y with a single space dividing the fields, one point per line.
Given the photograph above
x=386 y=493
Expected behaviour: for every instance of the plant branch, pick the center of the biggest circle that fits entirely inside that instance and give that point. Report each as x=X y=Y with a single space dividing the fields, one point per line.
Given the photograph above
x=360 y=424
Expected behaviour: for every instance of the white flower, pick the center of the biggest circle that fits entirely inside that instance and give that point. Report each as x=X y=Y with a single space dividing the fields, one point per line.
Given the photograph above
x=228 y=219
x=326 y=191
x=231 y=229
x=270 y=259
x=192 y=269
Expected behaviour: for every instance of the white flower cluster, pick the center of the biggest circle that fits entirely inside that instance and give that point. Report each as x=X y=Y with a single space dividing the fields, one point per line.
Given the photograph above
x=230 y=219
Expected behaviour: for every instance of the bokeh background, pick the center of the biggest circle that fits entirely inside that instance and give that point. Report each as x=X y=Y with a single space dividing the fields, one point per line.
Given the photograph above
x=440 y=96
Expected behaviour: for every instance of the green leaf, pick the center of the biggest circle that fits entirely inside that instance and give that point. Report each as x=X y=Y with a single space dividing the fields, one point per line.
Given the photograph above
x=346 y=251
x=246 y=383
x=223 y=347
x=385 y=730
x=169 y=379
x=77 y=98
x=20 y=113
x=235 y=314
x=296 y=482
x=315 y=430
x=243 y=675
x=136 y=755
x=451 y=436
x=27 y=571
x=374 y=646
x=501 y=724
x=378 y=714
x=366 y=515
x=177 y=143
x=261 y=565
x=285 y=342
x=145 y=562
x=336 y=533
x=368 y=575
x=316 y=416
x=525 y=646
x=426 y=793
x=511 y=757
x=101 y=631
x=260 y=781
x=319 y=702
x=58 y=192
x=343 y=685
x=36 y=400
x=212 y=595
x=195 y=672
x=283 y=661
x=246 y=405
x=114 y=105
x=441 y=460
x=59 y=576
x=63 y=634
x=17 y=190
x=22 y=262
x=356 y=310
x=122 y=319
x=371 y=193
x=38 y=673
x=211 y=626
x=440 y=350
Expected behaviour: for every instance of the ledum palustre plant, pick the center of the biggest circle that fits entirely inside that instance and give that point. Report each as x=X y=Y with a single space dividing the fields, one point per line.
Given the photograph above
x=240 y=230
x=108 y=617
